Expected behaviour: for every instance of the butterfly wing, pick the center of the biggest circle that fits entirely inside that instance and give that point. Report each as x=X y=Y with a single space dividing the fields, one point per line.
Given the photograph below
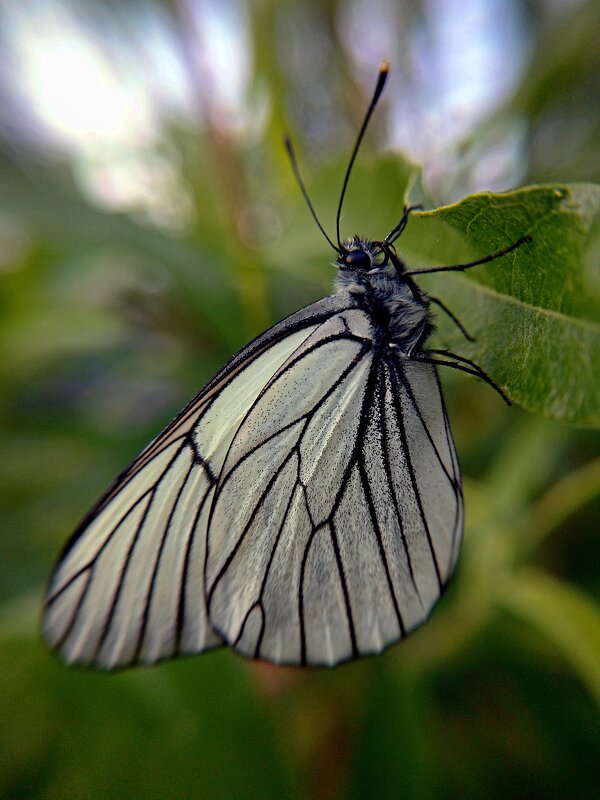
x=129 y=586
x=338 y=513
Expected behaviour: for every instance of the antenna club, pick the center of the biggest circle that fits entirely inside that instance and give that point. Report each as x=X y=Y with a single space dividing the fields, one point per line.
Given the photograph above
x=382 y=76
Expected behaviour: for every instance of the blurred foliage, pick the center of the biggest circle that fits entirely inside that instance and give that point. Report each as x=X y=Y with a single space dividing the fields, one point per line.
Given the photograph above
x=110 y=322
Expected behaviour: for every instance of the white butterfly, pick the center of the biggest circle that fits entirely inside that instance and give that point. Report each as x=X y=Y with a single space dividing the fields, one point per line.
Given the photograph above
x=306 y=506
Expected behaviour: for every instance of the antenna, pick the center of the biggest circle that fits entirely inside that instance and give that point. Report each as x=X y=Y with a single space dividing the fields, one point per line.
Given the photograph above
x=290 y=149
x=469 y=264
x=384 y=70
x=397 y=230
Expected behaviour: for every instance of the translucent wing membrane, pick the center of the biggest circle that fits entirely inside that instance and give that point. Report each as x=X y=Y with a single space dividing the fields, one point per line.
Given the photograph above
x=338 y=515
x=305 y=508
x=129 y=586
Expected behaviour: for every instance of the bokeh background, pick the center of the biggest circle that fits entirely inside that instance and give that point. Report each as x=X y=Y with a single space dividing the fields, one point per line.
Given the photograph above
x=149 y=226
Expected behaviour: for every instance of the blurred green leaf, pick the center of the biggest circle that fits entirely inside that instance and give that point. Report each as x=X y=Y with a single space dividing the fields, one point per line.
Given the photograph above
x=394 y=737
x=187 y=729
x=565 y=55
x=562 y=500
x=535 y=312
x=563 y=614
x=52 y=210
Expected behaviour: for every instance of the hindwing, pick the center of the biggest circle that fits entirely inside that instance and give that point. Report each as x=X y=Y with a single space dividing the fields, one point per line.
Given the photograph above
x=338 y=513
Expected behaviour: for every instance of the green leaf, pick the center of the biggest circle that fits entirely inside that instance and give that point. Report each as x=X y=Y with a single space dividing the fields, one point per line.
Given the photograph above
x=192 y=728
x=563 y=614
x=534 y=312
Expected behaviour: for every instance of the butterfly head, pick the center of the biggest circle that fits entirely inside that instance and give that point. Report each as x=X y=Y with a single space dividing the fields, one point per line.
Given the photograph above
x=365 y=257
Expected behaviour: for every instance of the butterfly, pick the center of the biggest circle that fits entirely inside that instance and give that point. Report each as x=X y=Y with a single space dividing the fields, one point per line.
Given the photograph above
x=304 y=508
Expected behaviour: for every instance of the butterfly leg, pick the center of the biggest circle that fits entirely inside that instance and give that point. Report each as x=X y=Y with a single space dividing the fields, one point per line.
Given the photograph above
x=461 y=363
x=477 y=262
x=453 y=317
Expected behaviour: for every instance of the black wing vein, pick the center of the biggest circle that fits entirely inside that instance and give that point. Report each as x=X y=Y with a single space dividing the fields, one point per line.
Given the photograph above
x=413 y=480
x=390 y=481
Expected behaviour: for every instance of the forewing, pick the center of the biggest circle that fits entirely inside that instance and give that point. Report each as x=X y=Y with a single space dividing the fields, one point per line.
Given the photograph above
x=322 y=545
x=129 y=585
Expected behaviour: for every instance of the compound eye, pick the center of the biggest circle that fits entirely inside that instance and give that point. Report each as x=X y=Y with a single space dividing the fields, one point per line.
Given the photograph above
x=358 y=259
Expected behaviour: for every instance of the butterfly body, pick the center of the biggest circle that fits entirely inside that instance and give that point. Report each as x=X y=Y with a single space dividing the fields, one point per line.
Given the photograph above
x=375 y=272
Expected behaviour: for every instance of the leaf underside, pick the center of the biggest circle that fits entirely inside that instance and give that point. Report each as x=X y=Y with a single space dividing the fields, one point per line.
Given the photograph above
x=534 y=312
